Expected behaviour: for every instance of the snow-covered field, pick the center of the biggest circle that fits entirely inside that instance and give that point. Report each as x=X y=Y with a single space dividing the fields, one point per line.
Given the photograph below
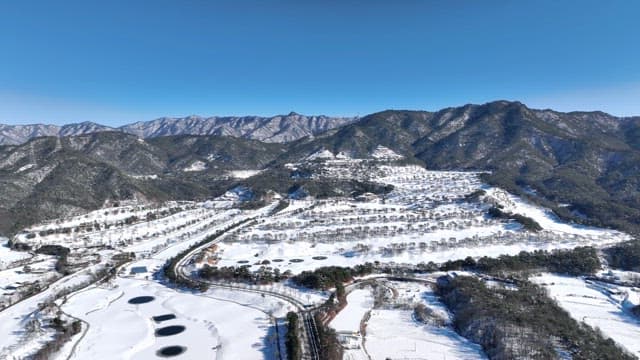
x=602 y=306
x=394 y=333
x=347 y=323
x=41 y=266
x=105 y=309
x=359 y=301
x=215 y=327
x=427 y=217
x=108 y=216
x=7 y=256
x=15 y=339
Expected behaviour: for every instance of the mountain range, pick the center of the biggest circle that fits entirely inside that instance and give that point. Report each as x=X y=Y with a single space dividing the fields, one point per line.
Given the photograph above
x=280 y=128
x=585 y=166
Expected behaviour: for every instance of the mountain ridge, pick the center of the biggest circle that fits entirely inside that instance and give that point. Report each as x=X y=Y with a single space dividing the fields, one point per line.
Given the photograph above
x=585 y=166
x=278 y=128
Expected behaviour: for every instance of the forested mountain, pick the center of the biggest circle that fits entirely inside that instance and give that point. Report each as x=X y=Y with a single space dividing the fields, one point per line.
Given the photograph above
x=584 y=165
x=280 y=128
x=52 y=176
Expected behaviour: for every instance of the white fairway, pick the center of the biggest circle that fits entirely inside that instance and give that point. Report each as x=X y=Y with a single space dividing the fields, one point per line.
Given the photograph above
x=348 y=319
x=215 y=329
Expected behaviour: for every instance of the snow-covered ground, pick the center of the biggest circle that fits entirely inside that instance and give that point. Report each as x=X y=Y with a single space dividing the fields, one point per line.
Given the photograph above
x=243 y=174
x=546 y=218
x=42 y=266
x=347 y=323
x=216 y=328
x=393 y=332
x=425 y=218
x=383 y=152
x=220 y=324
x=177 y=233
x=8 y=256
x=359 y=301
x=108 y=216
x=196 y=166
x=600 y=305
x=179 y=223
x=15 y=340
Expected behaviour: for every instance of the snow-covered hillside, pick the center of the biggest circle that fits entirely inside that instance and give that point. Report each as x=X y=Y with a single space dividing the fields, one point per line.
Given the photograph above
x=422 y=216
x=428 y=216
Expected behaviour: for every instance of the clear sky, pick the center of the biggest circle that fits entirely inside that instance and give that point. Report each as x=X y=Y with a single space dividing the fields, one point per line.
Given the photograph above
x=115 y=62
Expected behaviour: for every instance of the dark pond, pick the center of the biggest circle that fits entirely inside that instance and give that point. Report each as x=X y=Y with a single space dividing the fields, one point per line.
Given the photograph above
x=174 y=350
x=141 y=299
x=170 y=330
x=161 y=318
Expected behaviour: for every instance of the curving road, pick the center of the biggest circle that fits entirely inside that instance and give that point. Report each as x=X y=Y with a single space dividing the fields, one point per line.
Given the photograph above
x=311 y=331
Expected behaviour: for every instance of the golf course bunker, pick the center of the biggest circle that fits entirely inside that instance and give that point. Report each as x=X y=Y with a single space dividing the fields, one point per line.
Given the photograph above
x=161 y=318
x=141 y=300
x=169 y=351
x=170 y=330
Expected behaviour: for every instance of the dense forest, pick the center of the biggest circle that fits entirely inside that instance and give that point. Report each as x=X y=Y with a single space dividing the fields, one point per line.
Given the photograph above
x=327 y=277
x=624 y=256
x=522 y=324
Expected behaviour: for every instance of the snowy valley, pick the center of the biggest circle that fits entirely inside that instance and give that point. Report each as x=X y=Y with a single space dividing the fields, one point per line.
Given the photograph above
x=218 y=278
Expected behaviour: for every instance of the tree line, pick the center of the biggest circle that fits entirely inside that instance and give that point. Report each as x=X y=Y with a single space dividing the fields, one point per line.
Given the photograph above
x=327 y=277
x=576 y=261
x=523 y=324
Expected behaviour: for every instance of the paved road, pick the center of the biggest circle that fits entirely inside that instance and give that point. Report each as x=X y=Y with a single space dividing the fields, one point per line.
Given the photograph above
x=311 y=332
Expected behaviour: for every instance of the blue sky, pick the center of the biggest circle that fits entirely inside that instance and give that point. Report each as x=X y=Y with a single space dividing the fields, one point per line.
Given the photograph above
x=116 y=61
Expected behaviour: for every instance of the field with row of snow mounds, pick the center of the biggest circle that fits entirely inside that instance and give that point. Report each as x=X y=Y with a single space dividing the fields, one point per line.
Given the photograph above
x=420 y=188
x=393 y=332
x=16 y=338
x=214 y=327
x=112 y=215
x=144 y=237
x=219 y=218
x=428 y=216
x=600 y=305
